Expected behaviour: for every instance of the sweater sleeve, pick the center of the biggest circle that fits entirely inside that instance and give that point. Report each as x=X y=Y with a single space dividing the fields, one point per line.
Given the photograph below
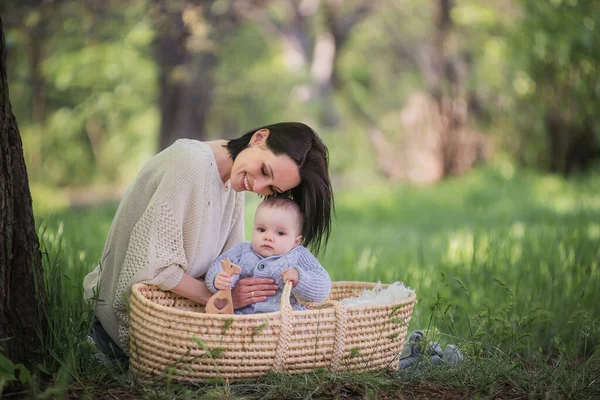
x=314 y=283
x=234 y=254
x=155 y=253
x=154 y=256
x=166 y=260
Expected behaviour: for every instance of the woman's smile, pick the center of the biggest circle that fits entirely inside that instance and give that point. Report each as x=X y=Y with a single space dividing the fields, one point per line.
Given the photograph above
x=246 y=183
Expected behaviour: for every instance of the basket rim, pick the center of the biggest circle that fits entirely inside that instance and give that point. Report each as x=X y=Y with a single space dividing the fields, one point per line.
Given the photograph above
x=136 y=292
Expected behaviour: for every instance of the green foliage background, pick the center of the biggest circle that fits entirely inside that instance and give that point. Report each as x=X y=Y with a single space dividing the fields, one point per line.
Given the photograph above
x=527 y=59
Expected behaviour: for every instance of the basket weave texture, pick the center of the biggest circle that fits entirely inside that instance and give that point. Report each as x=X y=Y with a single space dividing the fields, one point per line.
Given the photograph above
x=171 y=333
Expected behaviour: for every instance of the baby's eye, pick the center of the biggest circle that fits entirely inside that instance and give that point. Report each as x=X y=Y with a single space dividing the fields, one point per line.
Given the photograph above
x=281 y=233
x=260 y=229
x=264 y=170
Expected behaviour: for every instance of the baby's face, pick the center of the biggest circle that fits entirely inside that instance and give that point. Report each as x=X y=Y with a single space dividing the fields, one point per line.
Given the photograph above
x=276 y=231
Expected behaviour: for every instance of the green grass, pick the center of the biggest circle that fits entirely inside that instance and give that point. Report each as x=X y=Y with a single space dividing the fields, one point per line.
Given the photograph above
x=504 y=264
x=527 y=247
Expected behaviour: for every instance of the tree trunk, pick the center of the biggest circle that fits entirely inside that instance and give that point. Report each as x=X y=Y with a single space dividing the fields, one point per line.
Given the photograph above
x=583 y=149
x=433 y=139
x=187 y=60
x=317 y=53
x=323 y=74
x=22 y=299
x=327 y=51
x=450 y=91
x=570 y=148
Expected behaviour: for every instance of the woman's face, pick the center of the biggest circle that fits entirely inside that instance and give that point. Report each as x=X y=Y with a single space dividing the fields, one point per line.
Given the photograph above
x=256 y=169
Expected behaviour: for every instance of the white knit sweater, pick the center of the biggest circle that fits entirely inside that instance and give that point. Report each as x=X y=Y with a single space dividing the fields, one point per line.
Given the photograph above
x=177 y=216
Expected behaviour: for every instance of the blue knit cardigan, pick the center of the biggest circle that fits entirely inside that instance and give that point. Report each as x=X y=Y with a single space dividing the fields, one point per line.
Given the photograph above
x=314 y=283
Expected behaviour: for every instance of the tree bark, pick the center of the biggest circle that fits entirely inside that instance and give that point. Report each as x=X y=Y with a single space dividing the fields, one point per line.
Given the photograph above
x=22 y=299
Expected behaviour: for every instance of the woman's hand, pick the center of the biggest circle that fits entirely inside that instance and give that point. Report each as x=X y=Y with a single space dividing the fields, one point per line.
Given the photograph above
x=252 y=290
x=192 y=289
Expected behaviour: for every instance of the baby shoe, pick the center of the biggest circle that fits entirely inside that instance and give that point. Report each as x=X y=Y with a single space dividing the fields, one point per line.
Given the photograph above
x=452 y=354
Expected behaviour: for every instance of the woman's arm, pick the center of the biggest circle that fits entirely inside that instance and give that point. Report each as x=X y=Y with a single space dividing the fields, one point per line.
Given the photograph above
x=197 y=291
x=192 y=289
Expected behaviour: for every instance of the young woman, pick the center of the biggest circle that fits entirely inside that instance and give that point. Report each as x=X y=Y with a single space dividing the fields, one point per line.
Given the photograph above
x=186 y=207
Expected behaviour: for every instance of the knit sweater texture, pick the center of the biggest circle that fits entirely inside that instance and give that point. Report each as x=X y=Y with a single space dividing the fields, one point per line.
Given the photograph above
x=314 y=283
x=175 y=218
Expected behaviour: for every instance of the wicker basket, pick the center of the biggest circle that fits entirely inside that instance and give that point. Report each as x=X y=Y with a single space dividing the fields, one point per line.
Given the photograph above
x=171 y=335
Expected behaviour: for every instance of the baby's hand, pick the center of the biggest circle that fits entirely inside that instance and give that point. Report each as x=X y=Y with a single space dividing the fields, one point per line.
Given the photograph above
x=290 y=274
x=223 y=281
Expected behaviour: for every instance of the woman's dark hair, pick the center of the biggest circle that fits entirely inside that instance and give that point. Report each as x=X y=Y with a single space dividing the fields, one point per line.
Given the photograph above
x=314 y=194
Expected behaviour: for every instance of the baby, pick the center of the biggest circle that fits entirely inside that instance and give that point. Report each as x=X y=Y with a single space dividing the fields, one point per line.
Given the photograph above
x=274 y=252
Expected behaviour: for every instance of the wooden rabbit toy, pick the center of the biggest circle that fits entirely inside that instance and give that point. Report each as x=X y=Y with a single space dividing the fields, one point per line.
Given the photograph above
x=223 y=295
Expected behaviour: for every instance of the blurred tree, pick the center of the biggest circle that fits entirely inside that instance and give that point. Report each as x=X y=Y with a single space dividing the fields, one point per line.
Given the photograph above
x=446 y=70
x=556 y=53
x=35 y=55
x=98 y=81
x=431 y=136
x=420 y=78
x=311 y=47
x=22 y=300
x=189 y=37
x=32 y=17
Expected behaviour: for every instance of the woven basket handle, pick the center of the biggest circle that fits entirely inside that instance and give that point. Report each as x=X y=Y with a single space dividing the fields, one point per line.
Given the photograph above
x=285 y=296
x=287 y=320
x=287 y=316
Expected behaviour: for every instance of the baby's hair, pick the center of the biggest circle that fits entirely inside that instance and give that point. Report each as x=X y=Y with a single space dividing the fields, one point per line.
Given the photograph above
x=284 y=203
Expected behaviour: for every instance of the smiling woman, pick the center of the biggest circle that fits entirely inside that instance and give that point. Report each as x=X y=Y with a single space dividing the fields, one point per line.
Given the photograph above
x=186 y=207
x=254 y=169
x=305 y=180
